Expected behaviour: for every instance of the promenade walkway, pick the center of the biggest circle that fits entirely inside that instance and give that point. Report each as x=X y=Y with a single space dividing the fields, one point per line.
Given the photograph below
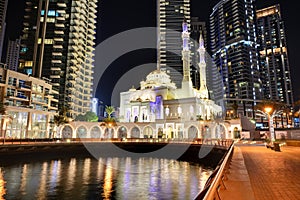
x=259 y=173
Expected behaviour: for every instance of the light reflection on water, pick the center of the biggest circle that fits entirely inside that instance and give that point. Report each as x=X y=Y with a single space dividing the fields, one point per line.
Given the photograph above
x=106 y=178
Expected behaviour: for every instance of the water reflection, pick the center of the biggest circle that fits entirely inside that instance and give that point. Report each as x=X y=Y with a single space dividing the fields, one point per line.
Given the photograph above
x=106 y=178
x=2 y=185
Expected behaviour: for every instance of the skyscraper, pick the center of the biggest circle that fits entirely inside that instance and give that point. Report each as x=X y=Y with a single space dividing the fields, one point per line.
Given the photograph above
x=197 y=27
x=12 y=54
x=277 y=84
x=58 y=44
x=234 y=49
x=3 y=8
x=170 y=15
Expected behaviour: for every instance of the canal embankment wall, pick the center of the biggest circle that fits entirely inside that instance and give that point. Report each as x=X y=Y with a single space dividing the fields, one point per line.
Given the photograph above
x=208 y=155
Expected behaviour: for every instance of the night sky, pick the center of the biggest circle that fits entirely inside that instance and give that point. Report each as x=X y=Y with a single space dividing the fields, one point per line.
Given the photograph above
x=115 y=16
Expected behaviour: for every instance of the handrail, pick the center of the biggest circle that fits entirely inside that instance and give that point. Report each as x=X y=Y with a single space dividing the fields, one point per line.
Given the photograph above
x=218 y=142
x=213 y=183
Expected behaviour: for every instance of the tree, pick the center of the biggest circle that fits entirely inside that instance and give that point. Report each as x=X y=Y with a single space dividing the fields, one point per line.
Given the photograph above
x=109 y=110
x=87 y=117
x=91 y=116
x=80 y=118
x=109 y=119
x=235 y=107
x=60 y=118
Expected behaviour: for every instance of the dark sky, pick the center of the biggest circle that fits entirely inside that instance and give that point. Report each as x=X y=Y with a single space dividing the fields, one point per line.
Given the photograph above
x=135 y=13
x=115 y=16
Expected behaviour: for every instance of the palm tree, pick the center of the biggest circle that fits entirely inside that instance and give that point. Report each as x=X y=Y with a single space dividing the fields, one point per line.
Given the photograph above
x=235 y=107
x=60 y=118
x=109 y=110
x=110 y=120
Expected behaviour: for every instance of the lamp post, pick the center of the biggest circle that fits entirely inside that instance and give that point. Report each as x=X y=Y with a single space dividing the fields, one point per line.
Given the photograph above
x=268 y=111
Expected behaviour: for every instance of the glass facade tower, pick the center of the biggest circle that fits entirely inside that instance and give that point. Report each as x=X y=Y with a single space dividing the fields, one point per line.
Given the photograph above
x=170 y=15
x=234 y=51
x=277 y=84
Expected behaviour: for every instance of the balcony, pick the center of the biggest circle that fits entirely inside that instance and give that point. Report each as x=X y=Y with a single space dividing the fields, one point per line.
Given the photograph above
x=24 y=87
x=20 y=97
x=2 y=83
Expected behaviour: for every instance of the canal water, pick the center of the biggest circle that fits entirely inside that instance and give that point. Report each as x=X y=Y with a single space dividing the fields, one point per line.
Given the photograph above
x=104 y=178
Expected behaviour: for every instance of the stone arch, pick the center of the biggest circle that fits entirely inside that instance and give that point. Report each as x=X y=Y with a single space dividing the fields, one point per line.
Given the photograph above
x=81 y=132
x=122 y=132
x=67 y=131
x=135 y=132
x=169 y=132
x=220 y=131
x=108 y=133
x=160 y=132
x=236 y=132
x=95 y=132
x=192 y=132
x=206 y=132
x=148 y=132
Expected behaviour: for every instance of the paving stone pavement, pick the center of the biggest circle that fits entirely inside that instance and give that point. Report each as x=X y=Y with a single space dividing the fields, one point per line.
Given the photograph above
x=257 y=172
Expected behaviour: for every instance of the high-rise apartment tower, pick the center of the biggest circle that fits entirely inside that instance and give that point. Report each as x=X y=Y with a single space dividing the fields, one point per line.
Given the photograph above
x=276 y=76
x=234 y=51
x=3 y=9
x=12 y=54
x=58 y=44
x=170 y=15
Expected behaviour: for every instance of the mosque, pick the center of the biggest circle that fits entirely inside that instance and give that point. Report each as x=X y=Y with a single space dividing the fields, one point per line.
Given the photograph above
x=161 y=110
x=175 y=112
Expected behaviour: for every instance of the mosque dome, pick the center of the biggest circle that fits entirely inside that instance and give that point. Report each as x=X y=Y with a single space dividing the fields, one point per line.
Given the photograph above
x=156 y=79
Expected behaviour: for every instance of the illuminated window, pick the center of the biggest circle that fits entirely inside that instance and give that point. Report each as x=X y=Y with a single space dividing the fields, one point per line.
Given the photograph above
x=48 y=41
x=24 y=49
x=50 y=20
x=28 y=64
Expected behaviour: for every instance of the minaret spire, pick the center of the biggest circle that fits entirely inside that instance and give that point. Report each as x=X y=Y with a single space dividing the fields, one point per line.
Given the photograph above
x=202 y=68
x=158 y=34
x=185 y=51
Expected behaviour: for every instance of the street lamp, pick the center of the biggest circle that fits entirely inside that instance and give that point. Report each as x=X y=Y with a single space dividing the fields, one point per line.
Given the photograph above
x=268 y=111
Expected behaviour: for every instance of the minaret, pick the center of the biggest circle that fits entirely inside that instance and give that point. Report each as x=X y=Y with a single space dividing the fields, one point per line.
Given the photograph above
x=187 y=85
x=202 y=69
x=186 y=52
x=158 y=34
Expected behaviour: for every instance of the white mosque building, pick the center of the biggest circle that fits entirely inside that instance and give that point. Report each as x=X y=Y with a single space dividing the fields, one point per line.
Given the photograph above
x=159 y=101
x=161 y=110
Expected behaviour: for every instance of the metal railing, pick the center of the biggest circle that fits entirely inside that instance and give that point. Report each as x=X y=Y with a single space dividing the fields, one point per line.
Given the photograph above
x=216 y=179
x=216 y=142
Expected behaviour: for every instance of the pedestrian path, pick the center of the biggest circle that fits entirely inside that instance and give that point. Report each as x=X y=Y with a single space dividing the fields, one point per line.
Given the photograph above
x=237 y=181
x=257 y=172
